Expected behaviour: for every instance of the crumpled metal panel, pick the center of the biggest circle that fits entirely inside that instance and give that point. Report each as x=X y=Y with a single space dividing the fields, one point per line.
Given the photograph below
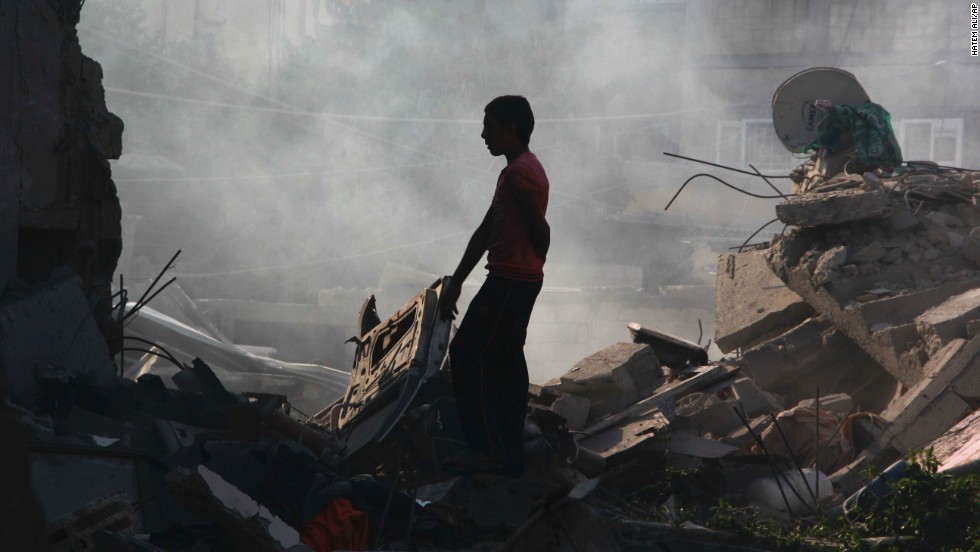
x=394 y=359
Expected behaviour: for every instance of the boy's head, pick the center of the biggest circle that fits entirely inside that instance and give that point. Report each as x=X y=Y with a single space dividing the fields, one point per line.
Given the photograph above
x=512 y=109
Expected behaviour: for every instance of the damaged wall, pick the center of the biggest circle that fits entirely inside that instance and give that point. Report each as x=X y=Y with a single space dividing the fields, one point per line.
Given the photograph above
x=55 y=139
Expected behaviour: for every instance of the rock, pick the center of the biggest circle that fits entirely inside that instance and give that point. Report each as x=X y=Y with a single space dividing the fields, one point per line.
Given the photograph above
x=613 y=378
x=869 y=253
x=971 y=246
x=934 y=404
x=827 y=268
x=902 y=221
x=944 y=219
x=947 y=321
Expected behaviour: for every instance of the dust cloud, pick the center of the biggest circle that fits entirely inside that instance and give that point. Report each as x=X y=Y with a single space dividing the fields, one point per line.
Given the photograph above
x=289 y=147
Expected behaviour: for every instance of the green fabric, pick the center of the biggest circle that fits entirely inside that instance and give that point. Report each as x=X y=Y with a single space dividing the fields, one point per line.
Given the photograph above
x=867 y=127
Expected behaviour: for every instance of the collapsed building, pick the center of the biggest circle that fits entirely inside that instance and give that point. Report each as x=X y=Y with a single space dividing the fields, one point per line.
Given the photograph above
x=853 y=338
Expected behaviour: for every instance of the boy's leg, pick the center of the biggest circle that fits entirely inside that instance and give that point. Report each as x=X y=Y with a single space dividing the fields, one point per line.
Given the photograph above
x=512 y=376
x=469 y=368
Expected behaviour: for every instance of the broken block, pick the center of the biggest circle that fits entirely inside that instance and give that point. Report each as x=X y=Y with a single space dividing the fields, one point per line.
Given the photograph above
x=947 y=321
x=833 y=207
x=841 y=403
x=670 y=350
x=613 y=378
x=48 y=332
x=751 y=303
x=815 y=355
x=933 y=405
x=573 y=408
x=752 y=400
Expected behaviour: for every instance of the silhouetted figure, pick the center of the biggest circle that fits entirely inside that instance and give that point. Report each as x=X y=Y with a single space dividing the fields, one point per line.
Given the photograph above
x=487 y=354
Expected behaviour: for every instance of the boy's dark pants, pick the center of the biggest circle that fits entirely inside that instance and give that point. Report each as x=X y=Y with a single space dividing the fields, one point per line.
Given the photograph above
x=489 y=370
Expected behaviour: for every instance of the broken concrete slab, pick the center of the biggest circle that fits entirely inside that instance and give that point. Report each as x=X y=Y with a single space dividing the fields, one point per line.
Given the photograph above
x=947 y=321
x=841 y=403
x=249 y=525
x=933 y=405
x=615 y=440
x=613 y=378
x=751 y=303
x=833 y=207
x=666 y=396
x=857 y=320
x=751 y=400
x=573 y=408
x=815 y=355
x=959 y=445
x=708 y=416
x=48 y=329
x=670 y=350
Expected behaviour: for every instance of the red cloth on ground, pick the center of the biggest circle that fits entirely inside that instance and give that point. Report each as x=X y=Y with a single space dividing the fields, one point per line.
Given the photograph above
x=337 y=527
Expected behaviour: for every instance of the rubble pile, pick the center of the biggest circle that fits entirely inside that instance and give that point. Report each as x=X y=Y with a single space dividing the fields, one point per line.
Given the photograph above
x=853 y=339
x=846 y=351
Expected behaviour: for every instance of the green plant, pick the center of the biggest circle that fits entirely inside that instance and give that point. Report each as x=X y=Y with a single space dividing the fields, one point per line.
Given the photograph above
x=923 y=511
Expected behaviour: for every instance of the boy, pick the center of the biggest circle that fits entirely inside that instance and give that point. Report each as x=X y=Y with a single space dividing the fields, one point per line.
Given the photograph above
x=487 y=354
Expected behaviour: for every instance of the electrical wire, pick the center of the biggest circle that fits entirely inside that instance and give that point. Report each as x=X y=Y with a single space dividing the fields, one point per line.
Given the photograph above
x=732 y=186
x=726 y=167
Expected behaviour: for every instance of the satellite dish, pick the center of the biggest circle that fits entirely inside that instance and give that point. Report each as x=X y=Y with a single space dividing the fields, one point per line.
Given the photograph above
x=794 y=113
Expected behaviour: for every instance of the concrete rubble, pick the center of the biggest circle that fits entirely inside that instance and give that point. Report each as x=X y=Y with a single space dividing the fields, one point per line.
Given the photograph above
x=853 y=338
x=198 y=444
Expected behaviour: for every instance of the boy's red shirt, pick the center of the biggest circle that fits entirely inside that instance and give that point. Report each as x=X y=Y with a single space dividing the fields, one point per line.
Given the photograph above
x=510 y=252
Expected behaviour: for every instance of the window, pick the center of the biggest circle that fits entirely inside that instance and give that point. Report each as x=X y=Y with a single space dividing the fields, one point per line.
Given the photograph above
x=754 y=141
x=939 y=140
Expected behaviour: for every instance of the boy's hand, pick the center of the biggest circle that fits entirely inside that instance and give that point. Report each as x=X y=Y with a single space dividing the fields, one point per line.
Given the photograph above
x=447 y=300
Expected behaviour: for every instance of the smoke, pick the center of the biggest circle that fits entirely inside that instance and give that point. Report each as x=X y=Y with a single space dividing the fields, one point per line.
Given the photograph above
x=289 y=147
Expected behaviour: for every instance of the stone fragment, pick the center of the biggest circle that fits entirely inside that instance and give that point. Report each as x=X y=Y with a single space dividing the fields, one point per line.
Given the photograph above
x=933 y=405
x=752 y=400
x=902 y=221
x=828 y=265
x=751 y=303
x=573 y=408
x=944 y=219
x=972 y=329
x=971 y=246
x=841 y=403
x=869 y=253
x=968 y=214
x=613 y=378
x=947 y=321
x=937 y=234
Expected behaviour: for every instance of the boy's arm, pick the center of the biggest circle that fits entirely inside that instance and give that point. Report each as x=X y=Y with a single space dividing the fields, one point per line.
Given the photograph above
x=475 y=249
x=537 y=226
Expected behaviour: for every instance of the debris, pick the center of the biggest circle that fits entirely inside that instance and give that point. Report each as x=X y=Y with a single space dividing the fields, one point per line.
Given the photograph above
x=248 y=524
x=613 y=378
x=834 y=207
x=752 y=305
x=670 y=350
x=77 y=531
